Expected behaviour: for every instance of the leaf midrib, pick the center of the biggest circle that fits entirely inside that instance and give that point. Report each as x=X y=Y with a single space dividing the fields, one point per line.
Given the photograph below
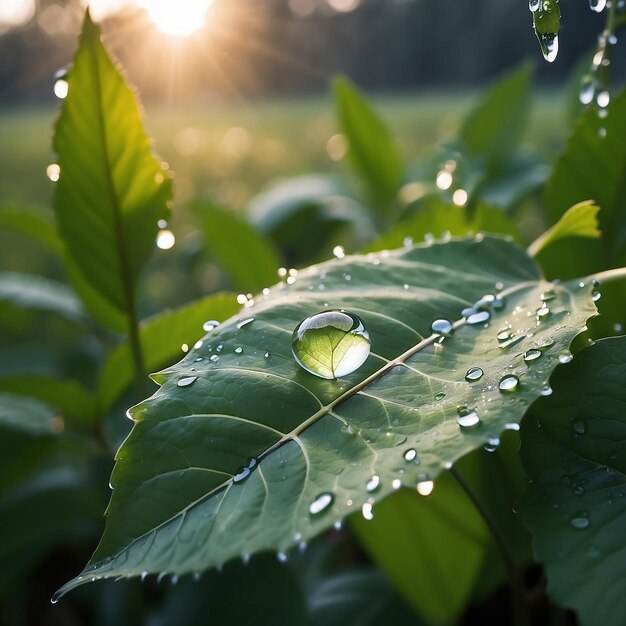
x=120 y=247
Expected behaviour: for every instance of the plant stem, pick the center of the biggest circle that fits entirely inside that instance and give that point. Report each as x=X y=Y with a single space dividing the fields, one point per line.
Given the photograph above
x=520 y=612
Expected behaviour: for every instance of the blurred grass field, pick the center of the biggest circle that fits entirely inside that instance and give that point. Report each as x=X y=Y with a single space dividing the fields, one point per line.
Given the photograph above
x=229 y=152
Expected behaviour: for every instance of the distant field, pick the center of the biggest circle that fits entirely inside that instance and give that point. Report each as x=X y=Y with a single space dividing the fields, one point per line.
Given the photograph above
x=230 y=151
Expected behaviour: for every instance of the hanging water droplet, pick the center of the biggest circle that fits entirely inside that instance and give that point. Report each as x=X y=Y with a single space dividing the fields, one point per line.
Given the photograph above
x=597 y=5
x=467 y=418
x=143 y=576
x=546 y=391
x=367 y=510
x=492 y=443
x=474 y=374
x=508 y=383
x=579 y=520
x=331 y=344
x=565 y=358
x=603 y=99
x=549 y=43
x=587 y=89
x=410 y=455
x=425 y=487
x=321 y=503
x=595 y=296
x=53 y=172
x=188 y=380
x=532 y=355
x=61 y=86
x=512 y=426
x=442 y=327
x=373 y=484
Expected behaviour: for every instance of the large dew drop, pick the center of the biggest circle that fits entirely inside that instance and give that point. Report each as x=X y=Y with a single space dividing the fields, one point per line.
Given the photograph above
x=331 y=344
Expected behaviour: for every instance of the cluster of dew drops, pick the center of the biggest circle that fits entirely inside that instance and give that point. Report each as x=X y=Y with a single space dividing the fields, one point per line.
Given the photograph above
x=468 y=419
x=594 y=88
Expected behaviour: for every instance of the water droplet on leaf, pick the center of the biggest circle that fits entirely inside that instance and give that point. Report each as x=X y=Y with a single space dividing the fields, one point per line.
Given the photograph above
x=442 y=327
x=188 y=380
x=331 y=344
x=508 y=383
x=474 y=374
x=321 y=503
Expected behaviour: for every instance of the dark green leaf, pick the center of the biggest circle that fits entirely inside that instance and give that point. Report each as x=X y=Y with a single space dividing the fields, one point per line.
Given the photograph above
x=36 y=292
x=574 y=450
x=35 y=225
x=371 y=149
x=592 y=167
x=581 y=220
x=71 y=399
x=28 y=415
x=176 y=505
x=249 y=259
x=161 y=339
x=495 y=127
x=112 y=190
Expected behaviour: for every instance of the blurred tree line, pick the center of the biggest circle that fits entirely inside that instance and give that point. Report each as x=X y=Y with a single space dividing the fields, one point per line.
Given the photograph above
x=251 y=47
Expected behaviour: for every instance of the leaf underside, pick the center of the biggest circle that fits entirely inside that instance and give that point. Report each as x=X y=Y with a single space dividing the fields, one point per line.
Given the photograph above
x=175 y=507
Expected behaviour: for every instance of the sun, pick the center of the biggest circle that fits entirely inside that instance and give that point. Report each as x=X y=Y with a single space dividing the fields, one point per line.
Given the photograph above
x=177 y=18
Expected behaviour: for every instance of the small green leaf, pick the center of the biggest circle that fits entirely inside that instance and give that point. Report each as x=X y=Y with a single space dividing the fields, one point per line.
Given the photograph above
x=161 y=339
x=574 y=450
x=37 y=292
x=371 y=149
x=28 y=415
x=245 y=451
x=71 y=399
x=112 y=190
x=249 y=259
x=31 y=223
x=495 y=127
x=581 y=220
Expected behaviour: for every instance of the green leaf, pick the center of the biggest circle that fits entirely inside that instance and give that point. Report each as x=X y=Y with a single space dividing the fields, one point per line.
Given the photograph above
x=161 y=339
x=249 y=259
x=112 y=190
x=420 y=541
x=495 y=127
x=70 y=398
x=290 y=211
x=37 y=292
x=592 y=167
x=574 y=450
x=581 y=220
x=176 y=505
x=35 y=225
x=371 y=149
x=28 y=415
x=437 y=218
x=437 y=550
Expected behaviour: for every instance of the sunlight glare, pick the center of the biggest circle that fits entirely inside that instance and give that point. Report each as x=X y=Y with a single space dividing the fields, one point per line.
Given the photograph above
x=177 y=18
